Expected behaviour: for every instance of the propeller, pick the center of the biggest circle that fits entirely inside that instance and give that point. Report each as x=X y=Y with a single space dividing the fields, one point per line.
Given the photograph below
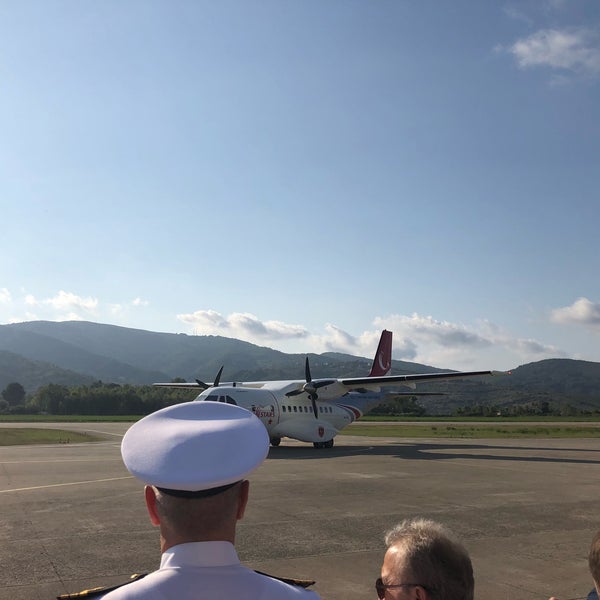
x=215 y=383
x=311 y=388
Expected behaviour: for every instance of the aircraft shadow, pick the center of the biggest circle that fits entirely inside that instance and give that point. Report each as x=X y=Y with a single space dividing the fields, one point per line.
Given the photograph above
x=433 y=451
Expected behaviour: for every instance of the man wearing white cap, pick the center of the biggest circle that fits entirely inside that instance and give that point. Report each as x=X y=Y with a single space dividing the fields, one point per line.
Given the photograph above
x=194 y=458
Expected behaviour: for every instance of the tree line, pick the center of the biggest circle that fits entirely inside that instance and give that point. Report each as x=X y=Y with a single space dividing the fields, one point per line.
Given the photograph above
x=105 y=399
x=97 y=399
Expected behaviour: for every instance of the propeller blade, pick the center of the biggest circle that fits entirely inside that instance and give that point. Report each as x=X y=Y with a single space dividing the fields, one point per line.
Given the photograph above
x=218 y=377
x=307 y=371
x=215 y=383
x=314 y=405
x=295 y=392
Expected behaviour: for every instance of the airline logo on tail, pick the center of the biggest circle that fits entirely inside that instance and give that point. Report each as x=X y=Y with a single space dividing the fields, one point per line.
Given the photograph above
x=383 y=356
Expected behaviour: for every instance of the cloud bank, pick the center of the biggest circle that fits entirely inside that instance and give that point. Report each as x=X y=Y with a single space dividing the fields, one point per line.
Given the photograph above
x=63 y=306
x=243 y=326
x=417 y=338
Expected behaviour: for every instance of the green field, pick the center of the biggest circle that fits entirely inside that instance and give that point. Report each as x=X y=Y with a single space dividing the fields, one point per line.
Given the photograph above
x=28 y=435
x=69 y=418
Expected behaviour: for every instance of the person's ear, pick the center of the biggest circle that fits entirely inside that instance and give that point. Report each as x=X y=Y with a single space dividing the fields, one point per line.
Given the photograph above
x=150 y=496
x=243 y=499
x=420 y=593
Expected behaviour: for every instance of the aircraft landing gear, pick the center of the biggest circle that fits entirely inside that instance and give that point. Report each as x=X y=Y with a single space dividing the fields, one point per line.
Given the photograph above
x=327 y=444
x=275 y=441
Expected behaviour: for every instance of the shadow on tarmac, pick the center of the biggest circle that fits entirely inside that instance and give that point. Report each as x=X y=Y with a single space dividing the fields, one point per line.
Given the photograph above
x=432 y=451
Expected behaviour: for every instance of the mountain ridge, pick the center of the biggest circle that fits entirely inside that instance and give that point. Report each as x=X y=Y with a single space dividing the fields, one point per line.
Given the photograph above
x=36 y=353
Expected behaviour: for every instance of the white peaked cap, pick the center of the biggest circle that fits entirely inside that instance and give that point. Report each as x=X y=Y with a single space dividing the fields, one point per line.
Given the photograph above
x=195 y=446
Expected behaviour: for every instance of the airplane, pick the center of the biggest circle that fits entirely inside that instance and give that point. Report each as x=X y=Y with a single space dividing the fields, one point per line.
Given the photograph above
x=316 y=410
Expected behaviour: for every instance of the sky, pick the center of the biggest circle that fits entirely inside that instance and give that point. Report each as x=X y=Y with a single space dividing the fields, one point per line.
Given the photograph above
x=302 y=174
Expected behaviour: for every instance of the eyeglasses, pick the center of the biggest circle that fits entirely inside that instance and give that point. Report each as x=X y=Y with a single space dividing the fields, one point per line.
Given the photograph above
x=381 y=587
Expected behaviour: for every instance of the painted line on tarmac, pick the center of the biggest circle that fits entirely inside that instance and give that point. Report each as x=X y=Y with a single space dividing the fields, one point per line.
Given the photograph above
x=57 y=461
x=43 y=487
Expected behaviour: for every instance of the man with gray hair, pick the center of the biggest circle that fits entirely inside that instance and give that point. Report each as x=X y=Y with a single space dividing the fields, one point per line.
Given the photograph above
x=424 y=562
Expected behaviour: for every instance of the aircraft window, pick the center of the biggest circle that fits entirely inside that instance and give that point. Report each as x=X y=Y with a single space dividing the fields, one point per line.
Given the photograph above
x=320 y=409
x=306 y=409
x=295 y=409
x=283 y=408
x=230 y=400
x=212 y=398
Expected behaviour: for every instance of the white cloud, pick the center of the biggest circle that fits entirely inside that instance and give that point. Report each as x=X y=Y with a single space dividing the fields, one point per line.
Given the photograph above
x=571 y=49
x=71 y=302
x=69 y=306
x=428 y=329
x=450 y=345
x=139 y=302
x=65 y=306
x=244 y=326
x=582 y=312
x=115 y=309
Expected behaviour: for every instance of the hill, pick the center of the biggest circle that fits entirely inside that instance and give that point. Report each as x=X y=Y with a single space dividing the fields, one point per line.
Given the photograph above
x=77 y=352
x=123 y=355
x=16 y=368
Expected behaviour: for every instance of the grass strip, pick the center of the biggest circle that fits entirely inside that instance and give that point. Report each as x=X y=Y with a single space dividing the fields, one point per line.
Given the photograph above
x=28 y=436
x=69 y=418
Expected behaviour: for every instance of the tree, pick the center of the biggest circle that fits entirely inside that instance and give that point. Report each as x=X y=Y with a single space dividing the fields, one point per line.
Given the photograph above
x=50 y=398
x=14 y=394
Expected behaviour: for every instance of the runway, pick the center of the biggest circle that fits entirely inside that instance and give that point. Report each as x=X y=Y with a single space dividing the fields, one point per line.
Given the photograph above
x=73 y=518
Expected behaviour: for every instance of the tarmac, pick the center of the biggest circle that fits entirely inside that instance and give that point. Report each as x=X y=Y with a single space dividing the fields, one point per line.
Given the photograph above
x=71 y=516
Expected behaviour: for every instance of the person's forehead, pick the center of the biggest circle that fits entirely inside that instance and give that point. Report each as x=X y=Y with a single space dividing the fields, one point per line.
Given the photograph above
x=395 y=560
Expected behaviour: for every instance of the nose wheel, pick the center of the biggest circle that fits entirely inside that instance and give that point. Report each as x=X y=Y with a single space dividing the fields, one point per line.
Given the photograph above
x=275 y=441
x=327 y=444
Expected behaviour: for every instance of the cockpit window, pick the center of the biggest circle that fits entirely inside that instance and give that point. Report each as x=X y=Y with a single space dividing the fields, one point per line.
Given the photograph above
x=212 y=398
x=230 y=400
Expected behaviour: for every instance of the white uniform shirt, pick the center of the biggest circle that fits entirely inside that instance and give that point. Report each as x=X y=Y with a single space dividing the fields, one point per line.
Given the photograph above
x=206 y=571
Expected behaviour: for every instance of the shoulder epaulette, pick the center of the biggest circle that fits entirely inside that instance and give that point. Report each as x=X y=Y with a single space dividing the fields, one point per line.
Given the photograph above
x=99 y=591
x=303 y=583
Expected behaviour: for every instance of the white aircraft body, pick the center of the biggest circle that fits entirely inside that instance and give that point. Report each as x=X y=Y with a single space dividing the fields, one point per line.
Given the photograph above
x=316 y=410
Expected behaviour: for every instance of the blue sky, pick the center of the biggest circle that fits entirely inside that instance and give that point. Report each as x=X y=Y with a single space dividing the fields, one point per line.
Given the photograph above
x=302 y=174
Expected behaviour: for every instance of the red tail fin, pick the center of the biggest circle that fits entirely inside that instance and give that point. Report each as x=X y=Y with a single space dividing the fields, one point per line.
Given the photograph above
x=383 y=357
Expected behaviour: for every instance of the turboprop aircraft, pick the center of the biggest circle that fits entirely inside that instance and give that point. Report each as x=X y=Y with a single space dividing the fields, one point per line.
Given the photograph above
x=315 y=410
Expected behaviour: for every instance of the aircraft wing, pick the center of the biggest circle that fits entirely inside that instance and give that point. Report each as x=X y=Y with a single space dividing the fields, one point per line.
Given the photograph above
x=352 y=383
x=348 y=383
x=181 y=386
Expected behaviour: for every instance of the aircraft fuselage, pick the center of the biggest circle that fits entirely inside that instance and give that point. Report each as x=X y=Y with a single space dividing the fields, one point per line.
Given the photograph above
x=293 y=416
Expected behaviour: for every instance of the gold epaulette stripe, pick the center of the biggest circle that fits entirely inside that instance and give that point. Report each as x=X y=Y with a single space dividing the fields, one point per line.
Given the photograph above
x=97 y=591
x=303 y=583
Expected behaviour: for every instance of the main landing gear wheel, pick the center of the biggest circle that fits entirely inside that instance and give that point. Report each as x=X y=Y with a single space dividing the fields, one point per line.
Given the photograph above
x=275 y=441
x=327 y=444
